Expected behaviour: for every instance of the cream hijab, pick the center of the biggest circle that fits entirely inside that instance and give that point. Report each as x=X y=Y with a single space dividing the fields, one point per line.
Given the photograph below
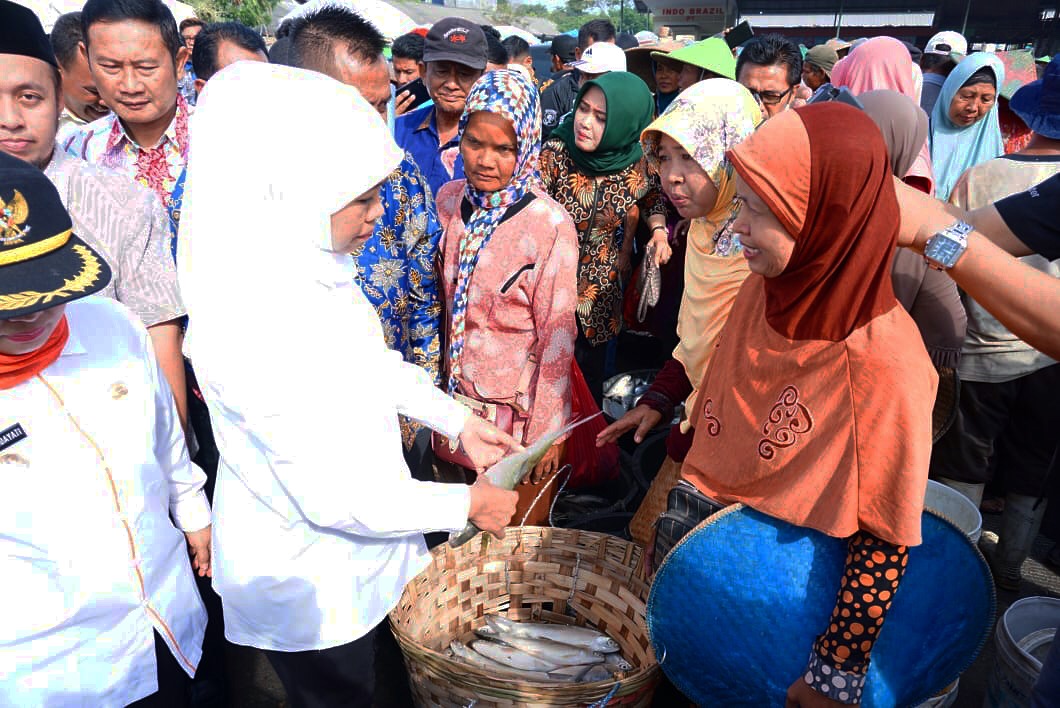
x=707 y=119
x=277 y=326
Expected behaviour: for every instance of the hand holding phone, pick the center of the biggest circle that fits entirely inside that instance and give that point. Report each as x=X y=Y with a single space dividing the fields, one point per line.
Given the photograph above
x=403 y=102
x=739 y=34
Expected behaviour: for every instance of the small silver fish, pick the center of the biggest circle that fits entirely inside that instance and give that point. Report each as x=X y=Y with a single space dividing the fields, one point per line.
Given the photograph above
x=488 y=632
x=584 y=674
x=475 y=659
x=597 y=672
x=512 y=469
x=512 y=658
x=564 y=674
x=615 y=662
x=565 y=634
x=563 y=654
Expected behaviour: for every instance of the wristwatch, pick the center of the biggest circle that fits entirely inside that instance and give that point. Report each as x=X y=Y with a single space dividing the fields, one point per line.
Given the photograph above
x=944 y=249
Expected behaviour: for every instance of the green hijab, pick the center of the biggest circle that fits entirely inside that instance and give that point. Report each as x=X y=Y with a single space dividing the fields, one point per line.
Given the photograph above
x=630 y=108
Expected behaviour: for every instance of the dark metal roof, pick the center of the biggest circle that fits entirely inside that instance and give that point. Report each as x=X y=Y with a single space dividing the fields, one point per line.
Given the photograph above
x=801 y=7
x=988 y=20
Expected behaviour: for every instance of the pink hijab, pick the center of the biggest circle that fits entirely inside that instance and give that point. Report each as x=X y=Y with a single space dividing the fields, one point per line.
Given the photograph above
x=884 y=63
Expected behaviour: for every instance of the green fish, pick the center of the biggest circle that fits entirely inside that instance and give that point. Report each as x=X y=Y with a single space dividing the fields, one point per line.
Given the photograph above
x=512 y=469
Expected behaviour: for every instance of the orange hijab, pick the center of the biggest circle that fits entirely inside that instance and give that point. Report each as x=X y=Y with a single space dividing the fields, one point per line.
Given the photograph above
x=816 y=406
x=14 y=369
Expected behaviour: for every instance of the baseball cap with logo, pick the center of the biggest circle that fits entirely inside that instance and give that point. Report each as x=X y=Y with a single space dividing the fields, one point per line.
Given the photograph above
x=947 y=43
x=457 y=40
x=600 y=58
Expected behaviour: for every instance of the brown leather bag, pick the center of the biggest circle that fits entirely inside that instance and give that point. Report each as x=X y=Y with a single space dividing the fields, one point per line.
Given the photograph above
x=499 y=414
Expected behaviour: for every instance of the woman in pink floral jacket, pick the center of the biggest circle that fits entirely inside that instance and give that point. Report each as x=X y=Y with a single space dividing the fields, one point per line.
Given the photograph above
x=509 y=271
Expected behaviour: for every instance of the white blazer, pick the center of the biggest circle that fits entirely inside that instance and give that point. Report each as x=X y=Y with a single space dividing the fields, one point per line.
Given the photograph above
x=91 y=564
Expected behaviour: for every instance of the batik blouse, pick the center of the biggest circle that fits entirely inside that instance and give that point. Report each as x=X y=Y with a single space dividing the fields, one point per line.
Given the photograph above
x=599 y=207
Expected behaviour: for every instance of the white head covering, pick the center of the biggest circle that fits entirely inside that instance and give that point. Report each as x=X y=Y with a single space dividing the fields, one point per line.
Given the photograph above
x=275 y=151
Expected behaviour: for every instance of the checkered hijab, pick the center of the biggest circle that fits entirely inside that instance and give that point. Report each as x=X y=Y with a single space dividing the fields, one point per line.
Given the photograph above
x=513 y=96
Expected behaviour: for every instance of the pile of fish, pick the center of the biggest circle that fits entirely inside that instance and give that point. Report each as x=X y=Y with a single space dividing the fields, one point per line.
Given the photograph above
x=542 y=652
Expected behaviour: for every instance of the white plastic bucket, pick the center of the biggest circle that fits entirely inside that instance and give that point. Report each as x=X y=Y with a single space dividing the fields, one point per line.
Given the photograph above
x=956 y=507
x=1024 y=636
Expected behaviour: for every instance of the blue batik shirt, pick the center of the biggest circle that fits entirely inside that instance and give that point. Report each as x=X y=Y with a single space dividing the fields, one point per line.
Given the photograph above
x=186 y=84
x=395 y=267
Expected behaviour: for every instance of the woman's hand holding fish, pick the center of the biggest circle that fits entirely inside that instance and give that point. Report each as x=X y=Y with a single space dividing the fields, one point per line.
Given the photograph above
x=547 y=466
x=492 y=508
x=643 y=418
x=800 y=695
x=485 y=443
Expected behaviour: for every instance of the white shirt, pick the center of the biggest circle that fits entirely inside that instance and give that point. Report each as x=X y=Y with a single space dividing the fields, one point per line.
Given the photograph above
x=317 y=521
x=91 y=565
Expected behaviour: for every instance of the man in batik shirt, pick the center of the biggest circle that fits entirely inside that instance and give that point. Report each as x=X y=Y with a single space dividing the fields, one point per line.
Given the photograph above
x=136 y=56
x=396 y=265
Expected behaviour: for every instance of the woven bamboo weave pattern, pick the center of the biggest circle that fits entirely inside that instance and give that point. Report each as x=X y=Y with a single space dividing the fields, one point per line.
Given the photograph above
x=535 y=574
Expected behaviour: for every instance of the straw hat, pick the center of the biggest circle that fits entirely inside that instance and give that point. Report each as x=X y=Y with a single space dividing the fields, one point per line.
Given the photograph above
x=639 y=59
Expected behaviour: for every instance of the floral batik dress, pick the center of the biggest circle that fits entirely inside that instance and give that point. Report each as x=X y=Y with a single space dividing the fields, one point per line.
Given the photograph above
x=598 y=206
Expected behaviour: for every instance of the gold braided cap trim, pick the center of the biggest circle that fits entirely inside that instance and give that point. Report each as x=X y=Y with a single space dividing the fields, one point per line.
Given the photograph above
x=90 y=273
x=32 y=250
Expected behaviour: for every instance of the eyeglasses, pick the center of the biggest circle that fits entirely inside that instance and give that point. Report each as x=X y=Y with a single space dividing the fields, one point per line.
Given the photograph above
x=771 y=98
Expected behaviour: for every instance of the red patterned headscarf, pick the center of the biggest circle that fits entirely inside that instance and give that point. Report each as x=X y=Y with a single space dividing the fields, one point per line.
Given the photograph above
x=833 y=192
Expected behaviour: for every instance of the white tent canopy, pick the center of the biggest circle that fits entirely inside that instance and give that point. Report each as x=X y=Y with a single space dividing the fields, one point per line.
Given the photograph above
x=389 y=20
x=508 y=31
x=49 y=10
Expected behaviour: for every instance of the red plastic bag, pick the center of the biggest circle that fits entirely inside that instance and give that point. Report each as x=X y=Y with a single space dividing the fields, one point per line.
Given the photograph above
x=591 y=465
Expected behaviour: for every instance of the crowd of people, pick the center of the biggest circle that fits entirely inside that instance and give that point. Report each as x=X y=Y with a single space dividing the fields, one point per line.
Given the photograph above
x=266 y=312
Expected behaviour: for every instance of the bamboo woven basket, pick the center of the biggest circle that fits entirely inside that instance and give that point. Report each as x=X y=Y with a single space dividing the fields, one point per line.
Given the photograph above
x=534 y=574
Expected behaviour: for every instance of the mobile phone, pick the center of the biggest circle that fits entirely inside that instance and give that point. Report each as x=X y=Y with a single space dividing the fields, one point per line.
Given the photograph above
x=418 y=90
x=828 y=92
x=739 y=34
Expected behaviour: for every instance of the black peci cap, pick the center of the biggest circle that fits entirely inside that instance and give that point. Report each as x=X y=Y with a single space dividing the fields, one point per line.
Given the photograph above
x=21 y=33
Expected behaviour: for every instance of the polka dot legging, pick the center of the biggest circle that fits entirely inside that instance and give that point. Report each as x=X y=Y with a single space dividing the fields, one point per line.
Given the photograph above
x=840 y=657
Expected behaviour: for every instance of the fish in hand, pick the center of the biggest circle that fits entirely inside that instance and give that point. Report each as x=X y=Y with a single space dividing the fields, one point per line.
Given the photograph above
x=512 y=469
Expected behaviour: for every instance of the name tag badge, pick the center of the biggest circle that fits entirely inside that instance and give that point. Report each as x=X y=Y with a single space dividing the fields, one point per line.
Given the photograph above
x=12 y=435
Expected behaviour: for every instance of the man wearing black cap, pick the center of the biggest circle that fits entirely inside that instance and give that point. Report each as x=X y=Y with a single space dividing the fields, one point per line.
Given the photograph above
x=454 y=53
x=562 y=52
x=98 y=485
x=123 y=221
